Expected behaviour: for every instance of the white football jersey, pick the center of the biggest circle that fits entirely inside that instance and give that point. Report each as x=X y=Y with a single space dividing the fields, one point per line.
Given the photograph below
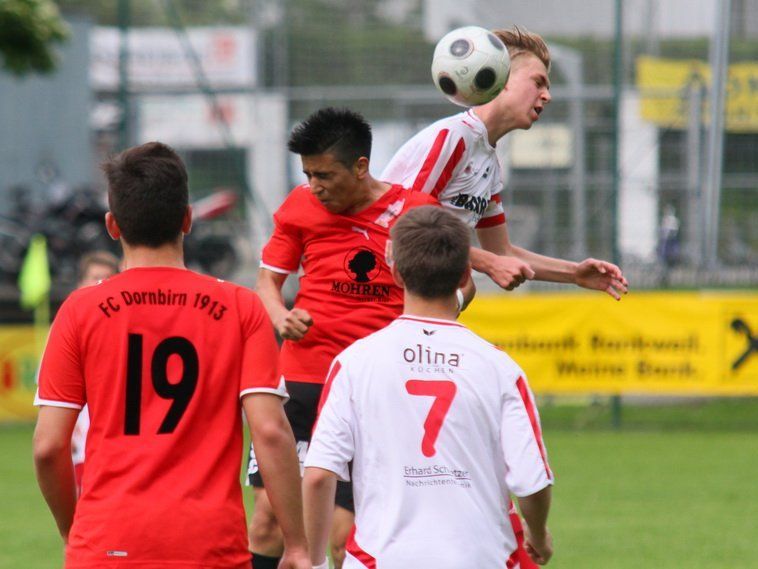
x=453 y=161
x=442 y=428
x=79 y=436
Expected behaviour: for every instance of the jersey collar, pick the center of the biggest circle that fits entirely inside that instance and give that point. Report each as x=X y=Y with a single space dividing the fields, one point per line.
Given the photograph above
x=428 y=320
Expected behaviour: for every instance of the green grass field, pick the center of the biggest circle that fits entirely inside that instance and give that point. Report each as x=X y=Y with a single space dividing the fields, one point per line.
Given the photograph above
x=676 y=487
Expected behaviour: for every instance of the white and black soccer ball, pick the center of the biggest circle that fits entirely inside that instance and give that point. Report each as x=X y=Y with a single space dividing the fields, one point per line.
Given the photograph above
x=470 y=66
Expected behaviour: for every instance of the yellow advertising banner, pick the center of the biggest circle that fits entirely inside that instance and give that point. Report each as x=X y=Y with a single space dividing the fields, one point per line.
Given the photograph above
x=666 y=84
x=19 y=356
x=653 y=343
x=648 y=343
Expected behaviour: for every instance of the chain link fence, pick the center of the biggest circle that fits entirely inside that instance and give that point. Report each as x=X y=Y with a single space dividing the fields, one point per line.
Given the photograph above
x=561 y=190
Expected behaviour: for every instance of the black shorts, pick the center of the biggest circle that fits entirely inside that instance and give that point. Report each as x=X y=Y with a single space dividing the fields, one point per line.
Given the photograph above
x=301 y=411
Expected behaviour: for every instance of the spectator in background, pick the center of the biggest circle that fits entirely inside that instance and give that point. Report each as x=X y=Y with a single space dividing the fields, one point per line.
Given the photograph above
x=668 y=238
x=96 y=266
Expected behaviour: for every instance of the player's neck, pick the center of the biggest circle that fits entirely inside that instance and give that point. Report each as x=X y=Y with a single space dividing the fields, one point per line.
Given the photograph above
x=371 y=191
x=170 y=255
x=496 y=123
x=441 y=308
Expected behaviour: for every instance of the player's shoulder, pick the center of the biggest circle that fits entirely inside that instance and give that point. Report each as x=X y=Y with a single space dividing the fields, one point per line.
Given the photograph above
x=367 y=348
x=237 y=299
x=145 y=278
x=77 y=298
x=299 y=197
x=415 y=199
x=300 y=208
x=493 y=354
x=227 y=288
x=298 y=194
x=81 y=294
x=466 y=125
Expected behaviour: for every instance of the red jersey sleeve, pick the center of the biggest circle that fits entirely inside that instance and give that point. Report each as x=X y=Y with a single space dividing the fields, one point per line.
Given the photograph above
x=61 y=381
x=260 y=353
x=284 y=249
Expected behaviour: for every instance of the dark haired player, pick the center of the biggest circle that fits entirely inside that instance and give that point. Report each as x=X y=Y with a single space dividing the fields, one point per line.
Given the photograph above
x=336 y=227
x=162 y=356
x=440 y=426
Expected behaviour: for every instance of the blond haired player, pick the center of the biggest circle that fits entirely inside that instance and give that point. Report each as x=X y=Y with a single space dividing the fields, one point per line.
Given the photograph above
x=454 y=160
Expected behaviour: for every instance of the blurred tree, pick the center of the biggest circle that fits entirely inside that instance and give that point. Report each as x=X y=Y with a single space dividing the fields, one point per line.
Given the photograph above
x=28 y=29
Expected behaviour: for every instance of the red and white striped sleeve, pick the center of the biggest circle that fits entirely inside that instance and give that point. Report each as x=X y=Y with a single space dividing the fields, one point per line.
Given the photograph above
x=527 y=467
x=493 y=215
x=333 y=443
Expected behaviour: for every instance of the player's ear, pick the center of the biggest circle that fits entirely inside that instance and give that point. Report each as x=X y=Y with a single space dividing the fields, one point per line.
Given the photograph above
x=111 y=226
x=360 y=168
x=187 y=220
x=465 y=277
x=396 y=275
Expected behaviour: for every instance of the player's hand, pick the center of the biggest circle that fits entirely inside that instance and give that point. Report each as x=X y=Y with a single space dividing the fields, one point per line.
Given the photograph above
x=295 y=559
x=539 y=549
x=510 y=272
x=601 y=275
x=294 y=324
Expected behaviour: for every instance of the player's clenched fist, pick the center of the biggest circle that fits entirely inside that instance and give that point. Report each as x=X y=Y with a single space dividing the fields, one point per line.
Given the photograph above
x=510 y=272
x=539 y=548
x=294 y=324
x=295 y=560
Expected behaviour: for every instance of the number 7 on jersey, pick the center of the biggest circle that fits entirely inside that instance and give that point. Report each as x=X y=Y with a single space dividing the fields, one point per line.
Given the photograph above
x=443 y=392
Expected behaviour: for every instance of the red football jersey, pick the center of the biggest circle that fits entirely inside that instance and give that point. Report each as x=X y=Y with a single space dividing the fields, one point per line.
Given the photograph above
x=162 y=357
x=346 y=285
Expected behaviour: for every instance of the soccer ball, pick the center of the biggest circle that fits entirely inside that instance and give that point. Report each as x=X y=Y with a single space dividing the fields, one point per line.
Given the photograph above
x=470 y=66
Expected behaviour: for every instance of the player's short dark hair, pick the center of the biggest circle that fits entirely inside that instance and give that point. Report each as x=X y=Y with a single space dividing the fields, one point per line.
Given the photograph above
x=430 y=247
x=340 y=132
x=147 y=193
x=520 y=41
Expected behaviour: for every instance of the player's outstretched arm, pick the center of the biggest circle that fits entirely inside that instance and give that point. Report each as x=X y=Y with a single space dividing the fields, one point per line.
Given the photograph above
x=534 y=509
x=507 y=272
x=497 y=261
x=53 y=465
x=274 y=446
x=290 y=324
x=319 y=487
x=590 y=273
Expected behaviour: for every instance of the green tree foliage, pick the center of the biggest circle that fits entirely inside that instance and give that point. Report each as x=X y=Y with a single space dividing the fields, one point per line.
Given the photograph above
x=28 y=30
